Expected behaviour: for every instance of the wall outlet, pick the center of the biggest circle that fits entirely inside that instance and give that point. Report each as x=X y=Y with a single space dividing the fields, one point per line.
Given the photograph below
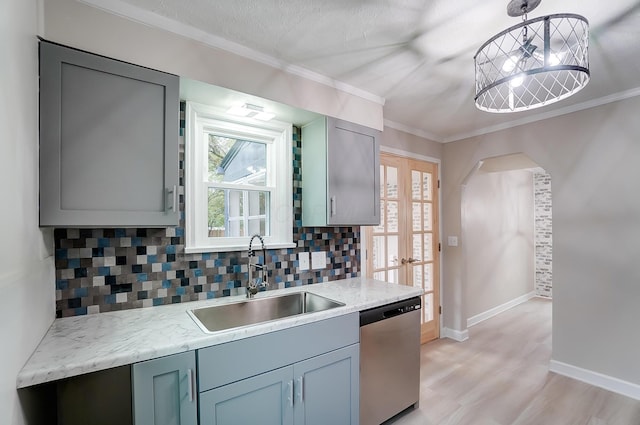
x=452 y=241
x=318 y=260
x=303 y=261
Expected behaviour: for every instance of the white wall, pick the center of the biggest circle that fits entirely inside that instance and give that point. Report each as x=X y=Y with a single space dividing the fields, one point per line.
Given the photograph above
x=593 y=158
x=400 y=142
x=78 y=25
x=27 y=304
x=497 y=230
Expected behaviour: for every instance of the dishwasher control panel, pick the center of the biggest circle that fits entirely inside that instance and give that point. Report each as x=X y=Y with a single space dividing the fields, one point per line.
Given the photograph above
x=389 y=310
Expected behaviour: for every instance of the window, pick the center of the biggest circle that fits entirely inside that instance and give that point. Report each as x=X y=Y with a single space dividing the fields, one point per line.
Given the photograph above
x=239 y=181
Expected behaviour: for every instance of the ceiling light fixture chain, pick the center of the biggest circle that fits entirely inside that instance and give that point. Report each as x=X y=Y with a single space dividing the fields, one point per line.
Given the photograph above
x=534 y=63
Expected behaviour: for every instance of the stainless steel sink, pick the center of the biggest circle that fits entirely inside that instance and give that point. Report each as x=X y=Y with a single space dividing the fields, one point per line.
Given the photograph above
x=259 y=310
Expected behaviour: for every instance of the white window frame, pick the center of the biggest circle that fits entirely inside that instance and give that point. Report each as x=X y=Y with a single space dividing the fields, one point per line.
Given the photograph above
x=277 y=136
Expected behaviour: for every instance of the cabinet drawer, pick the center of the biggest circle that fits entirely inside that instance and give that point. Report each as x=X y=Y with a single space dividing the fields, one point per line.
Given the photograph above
x=233 y=361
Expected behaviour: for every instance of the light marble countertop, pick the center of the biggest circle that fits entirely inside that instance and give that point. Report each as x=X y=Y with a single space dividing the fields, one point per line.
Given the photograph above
x=83 y=344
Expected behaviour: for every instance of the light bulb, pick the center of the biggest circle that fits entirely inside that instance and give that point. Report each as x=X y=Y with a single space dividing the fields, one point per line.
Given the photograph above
x=517 y=81
x=510 y=64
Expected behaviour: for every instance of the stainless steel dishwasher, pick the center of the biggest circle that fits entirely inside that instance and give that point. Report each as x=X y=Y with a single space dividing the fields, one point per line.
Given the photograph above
x=389 y=360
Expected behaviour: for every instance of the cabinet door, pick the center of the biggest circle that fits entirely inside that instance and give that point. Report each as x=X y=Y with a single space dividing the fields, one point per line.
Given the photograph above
x=108 y=141
x=353 y=178
x=164 y=391
x=327 y=388
x=265 y=399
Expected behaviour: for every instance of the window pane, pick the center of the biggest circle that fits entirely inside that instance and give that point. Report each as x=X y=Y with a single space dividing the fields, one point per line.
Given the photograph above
x=428 y=277
x=236 y=213
x=393 y=276
x=379 y=275
x=417 y=247
x=427 y=308
x=417 y=276
x=237 y=161
x=428 y=247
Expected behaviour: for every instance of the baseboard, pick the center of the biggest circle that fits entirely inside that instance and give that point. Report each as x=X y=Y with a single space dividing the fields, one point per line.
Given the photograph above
x=471 y=321
x=597 y=379
x=455 y=335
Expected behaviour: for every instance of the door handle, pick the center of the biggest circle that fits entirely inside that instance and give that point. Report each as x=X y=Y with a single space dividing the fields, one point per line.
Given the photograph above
x=409 y=261
x=172 y=194
x=190 y=384
x=290 y=396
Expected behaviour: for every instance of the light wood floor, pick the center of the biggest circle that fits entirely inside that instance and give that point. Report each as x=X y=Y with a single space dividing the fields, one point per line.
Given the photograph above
x=500 y=376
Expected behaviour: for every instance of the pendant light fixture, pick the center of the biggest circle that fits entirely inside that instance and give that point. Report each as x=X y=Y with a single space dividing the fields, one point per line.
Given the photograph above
x=534 y=63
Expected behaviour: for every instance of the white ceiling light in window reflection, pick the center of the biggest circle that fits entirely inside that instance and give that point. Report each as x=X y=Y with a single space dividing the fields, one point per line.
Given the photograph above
x=534 y=63
x=251 y=111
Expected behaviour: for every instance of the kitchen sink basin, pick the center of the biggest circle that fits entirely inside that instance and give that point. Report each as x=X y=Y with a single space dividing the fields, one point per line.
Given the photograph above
x=259 y=310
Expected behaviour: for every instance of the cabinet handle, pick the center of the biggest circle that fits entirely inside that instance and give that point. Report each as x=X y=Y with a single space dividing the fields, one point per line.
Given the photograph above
x=174 y=198
x=333 y=206
x=301 y=389
x=290 y=398
x=190 y=384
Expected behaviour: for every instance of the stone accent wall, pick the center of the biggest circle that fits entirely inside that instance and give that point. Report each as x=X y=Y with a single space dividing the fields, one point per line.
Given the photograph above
x=543 y=234
x=100 y=270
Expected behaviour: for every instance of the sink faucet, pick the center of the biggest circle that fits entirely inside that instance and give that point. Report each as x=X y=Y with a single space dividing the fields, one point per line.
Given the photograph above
x=253 y=287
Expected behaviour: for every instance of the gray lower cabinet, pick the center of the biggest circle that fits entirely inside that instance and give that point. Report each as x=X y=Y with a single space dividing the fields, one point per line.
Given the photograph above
x=318 y=391
x=340 y=174
x=108 y=141
x=164 y=391
x=305 y=375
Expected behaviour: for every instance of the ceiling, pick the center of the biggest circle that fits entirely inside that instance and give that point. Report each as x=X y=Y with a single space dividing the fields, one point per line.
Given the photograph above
x=416 y=55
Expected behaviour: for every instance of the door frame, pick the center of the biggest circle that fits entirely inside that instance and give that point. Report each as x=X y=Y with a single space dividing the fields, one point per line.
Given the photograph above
x=363 y=237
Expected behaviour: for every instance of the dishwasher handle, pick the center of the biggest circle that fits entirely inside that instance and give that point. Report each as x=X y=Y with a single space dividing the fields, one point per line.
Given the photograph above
x=389 y=311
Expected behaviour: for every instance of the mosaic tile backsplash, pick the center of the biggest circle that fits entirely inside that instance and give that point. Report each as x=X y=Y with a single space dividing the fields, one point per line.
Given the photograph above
x=100 y=270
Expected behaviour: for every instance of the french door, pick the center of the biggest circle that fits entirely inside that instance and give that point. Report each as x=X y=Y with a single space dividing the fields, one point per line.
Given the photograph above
x=404 y=248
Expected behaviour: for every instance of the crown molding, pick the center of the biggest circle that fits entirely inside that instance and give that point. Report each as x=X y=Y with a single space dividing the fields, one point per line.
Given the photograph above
x=412 y=130
x=152 y=19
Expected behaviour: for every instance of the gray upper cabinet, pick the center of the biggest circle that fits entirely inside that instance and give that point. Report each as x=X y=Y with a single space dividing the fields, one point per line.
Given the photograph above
x=340 y=174
x=108 y=141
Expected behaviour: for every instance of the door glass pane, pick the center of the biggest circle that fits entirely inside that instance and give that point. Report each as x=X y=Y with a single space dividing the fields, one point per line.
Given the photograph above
x=427 y=183
x=392 y=249
x=416 y=185
x=236 y=161
x=393 y=276
x=428 y=247
x=378 y=252
x=380 y=227
x=392 y=216
x=417 y=276
x=392 y=182
x=417 y=247
x=416 y=217
x=379 y=275
x=427 y=308
x=428 y=218
x=428 y=277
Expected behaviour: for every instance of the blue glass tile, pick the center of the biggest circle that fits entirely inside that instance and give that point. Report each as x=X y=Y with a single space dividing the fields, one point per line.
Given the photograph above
x=110 y=299
x=180 y=290
x=217 y=262
x=61 y=254
x=206 y=256
x=73 y=263
x=80 y=292
x=179 y=231
x=166 y=267
x=141 y=277
x=136 y=241
x=230 y=284
x=120 y=233
x=103 y=242
x=170 y=249
x=81 y=311
x=166 y=283
x=158 y=301
x=197 y=272
x=62 y=284
x=104 y=271
x=217 y=278
x=211 y=295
